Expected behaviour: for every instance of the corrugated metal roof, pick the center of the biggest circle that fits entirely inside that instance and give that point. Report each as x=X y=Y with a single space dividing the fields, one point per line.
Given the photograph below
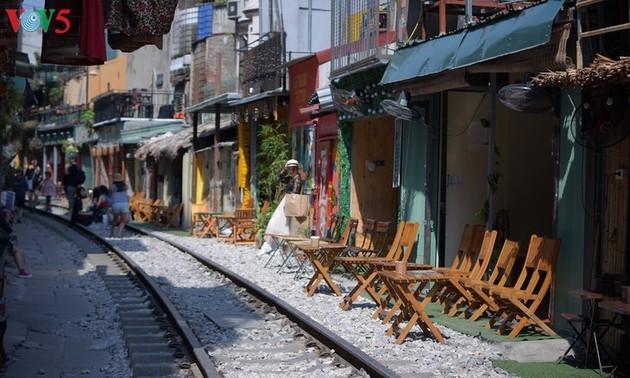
x=518 y=31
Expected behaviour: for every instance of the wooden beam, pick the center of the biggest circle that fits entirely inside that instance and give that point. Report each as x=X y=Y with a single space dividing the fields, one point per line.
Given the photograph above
x=609 y=29
x=216 y=203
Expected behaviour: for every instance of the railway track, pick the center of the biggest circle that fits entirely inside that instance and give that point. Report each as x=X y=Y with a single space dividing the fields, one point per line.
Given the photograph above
x=208 y=321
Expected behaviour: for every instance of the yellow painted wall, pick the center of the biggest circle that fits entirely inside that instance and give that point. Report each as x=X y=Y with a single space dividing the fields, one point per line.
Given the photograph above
x=112 y=75
x=109 y=76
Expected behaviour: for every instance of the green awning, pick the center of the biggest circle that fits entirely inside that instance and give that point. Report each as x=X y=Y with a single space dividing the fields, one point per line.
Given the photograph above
x=513 y=33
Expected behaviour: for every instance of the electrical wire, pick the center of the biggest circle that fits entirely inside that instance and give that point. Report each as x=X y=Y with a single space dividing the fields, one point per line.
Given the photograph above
x=413 y=32
x=471 y=118
x=573 y=126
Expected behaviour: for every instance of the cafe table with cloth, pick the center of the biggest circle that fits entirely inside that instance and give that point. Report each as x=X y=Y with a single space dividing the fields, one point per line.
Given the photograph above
x=322 y=257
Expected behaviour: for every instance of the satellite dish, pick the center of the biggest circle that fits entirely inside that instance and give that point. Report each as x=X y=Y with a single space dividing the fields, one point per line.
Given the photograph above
x=524 y=98
x=347 y=102
x=400 y=109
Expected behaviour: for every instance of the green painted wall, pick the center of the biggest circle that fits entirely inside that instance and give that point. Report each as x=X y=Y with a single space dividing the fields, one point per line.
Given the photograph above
x=570 y=213
x=416 y=188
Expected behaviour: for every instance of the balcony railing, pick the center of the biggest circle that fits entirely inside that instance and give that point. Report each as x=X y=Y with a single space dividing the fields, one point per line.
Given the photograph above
x=137 y=103
x=361 y=32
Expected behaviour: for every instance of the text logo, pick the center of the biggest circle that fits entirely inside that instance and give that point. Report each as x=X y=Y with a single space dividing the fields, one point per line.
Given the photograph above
x=32 y=20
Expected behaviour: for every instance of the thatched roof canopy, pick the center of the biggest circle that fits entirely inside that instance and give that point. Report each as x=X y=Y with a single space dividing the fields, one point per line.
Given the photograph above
x=169 y=145
x=602 y=72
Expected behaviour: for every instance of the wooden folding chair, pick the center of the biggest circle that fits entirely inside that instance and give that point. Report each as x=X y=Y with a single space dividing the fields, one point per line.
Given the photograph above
x=201 y=221
x=499 y=275
x=442 y=282
x=366 y=238
x=145 y=211
x=400 y=251
x=379 y=239
x=465 y=257
x=346 y=236
x=244 y=226
x=374 y=239
x=481 y=290
x=520 y=305
x=135 y=199
x=333 y=234
x=455 y=293
x=168 y=215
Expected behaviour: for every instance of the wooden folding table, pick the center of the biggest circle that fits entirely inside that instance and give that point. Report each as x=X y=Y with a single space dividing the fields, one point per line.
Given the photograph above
x=403 y=287
x=367 y=278
x=208 y=224
x=322 y=258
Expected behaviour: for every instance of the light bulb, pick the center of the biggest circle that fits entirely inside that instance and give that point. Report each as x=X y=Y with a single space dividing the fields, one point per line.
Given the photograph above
x=609 y=101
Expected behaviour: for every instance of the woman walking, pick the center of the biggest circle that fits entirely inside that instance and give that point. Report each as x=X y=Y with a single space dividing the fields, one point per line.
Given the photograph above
x=119 y=205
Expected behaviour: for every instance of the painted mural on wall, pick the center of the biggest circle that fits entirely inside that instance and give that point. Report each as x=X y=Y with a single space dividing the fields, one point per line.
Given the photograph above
x=327 y=185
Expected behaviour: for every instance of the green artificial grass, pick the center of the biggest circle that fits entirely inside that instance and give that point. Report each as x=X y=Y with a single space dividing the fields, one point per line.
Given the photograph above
x=478 y=328
x=545 y=369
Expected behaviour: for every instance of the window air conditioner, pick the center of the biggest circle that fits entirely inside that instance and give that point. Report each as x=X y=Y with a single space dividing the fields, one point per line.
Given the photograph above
x=232 y=10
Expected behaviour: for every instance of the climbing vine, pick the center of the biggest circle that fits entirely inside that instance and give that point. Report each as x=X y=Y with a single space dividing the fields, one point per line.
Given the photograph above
x=343 y=151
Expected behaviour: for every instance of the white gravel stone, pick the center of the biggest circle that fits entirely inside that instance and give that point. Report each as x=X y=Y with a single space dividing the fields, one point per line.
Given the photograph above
x=460 y=356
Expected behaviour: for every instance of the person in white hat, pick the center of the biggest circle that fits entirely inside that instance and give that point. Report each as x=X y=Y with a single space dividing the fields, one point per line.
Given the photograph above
x=290 y=176
x=278 y=224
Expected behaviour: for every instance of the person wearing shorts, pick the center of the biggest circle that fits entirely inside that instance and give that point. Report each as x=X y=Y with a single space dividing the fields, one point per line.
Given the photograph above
x=119 y=205
x=33 y=179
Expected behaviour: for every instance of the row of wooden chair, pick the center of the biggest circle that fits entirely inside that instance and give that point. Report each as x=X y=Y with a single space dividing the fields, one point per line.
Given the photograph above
x=239 y=227
x=475 y=286
x=153 y=211
x=476 y=283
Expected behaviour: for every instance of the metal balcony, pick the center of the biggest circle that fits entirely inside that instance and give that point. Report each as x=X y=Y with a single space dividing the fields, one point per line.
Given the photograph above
x=362 y=31
x=136 y=103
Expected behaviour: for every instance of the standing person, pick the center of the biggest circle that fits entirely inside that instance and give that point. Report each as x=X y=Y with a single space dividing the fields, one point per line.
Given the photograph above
x=33 y=178
x=48 y=189
x=71 y=182
x=119 y=205
x=291 y=176
x=279 y=224
x=20 y=186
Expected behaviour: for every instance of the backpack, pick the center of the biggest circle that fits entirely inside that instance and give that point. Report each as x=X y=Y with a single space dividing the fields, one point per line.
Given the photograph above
x=81 y=177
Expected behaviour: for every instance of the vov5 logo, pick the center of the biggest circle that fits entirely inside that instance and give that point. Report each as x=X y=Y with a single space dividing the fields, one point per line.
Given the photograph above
x=32 y=20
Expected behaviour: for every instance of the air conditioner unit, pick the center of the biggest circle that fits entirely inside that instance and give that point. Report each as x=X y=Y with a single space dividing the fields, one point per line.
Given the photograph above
x=232 y=10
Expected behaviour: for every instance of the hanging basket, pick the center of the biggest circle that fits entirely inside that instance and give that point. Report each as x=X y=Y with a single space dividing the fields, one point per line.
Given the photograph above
x=35 y=144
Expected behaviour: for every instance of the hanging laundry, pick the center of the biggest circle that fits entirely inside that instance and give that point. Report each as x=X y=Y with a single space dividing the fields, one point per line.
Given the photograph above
x=8 y=44
x=84 y=41
x=93 y=30
x=132 y=24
